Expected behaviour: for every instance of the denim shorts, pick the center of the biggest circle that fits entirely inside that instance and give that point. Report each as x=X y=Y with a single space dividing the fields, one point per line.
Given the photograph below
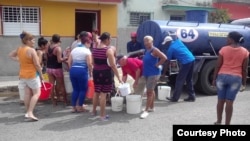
x=228 y=86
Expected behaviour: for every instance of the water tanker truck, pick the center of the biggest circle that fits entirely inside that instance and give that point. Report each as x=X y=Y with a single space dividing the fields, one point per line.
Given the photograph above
x=204 y=40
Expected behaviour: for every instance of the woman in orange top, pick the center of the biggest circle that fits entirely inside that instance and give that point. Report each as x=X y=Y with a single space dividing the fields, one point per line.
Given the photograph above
x=30 y=73
x=230 y=74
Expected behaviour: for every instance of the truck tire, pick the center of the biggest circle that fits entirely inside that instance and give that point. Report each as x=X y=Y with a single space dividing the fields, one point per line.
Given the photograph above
x=206 y=78
x=197 y=84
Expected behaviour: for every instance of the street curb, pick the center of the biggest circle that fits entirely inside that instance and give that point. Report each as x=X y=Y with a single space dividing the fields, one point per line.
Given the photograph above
x=9 y=88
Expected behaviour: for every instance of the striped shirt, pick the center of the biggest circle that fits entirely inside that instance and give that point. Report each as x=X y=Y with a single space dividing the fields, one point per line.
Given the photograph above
x=100 y=58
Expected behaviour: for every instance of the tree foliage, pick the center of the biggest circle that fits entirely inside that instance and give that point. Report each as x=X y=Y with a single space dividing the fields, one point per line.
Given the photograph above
x=219 y=16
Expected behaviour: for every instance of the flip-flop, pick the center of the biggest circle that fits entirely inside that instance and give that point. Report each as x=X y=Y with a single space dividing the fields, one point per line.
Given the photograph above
x=26 y=115
x=85 y=106
x=217 y=123
x=93 y=114
x=30 y=119
x=82 y=110
x=74 y=111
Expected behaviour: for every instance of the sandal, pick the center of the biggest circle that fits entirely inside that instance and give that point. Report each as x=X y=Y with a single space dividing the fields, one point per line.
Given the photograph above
x=31 y=119
x=82 y=110
x=93 y=113
x=217 y=123
x=74 y=110
x=105 y=118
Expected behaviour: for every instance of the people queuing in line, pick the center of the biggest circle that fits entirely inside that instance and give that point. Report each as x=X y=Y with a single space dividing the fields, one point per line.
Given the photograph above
x=104 y=64
x=152 y=67
x=30 y=73
x=55 y=71
x=230 y=74
x=177 y=50
x=80 y=64
x=100 y=64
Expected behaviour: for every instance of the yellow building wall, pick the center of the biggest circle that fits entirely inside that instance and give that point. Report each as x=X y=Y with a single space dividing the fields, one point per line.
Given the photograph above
x=59 y=17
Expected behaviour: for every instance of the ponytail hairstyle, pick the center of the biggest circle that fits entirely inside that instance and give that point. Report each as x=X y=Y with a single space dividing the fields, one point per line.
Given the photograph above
x=25 y=37
x=236 y=37
x=104 y=36
x=42 y=42
x=86 y=37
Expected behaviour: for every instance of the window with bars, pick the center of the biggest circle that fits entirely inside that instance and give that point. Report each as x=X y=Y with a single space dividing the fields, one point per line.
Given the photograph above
x=136 y=18
x=17 y=19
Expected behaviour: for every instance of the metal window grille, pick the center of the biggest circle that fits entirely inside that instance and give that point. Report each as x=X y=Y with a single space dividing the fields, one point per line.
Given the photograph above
x=20 y=14
x=17 y=19
x=136 y=18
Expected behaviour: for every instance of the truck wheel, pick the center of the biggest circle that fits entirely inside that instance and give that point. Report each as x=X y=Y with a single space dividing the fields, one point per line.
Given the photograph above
x=197 y=83
x=195 y=78
x=206 y=78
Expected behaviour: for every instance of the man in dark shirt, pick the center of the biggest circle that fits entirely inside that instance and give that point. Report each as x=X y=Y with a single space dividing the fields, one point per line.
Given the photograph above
x=133 y=45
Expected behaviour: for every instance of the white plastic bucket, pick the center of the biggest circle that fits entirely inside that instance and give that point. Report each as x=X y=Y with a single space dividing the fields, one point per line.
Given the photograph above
x=67 y=82
x=117 y=103
x=124 y=89
x=163 y=92
x=134 y=103
x=21 y=93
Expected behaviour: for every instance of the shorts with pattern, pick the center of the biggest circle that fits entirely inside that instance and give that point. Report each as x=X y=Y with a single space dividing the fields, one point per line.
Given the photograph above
x=103 y=80
x=55 y=72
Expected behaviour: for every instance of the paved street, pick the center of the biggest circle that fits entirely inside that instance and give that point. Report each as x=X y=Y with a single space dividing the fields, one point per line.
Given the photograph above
x=57 y=123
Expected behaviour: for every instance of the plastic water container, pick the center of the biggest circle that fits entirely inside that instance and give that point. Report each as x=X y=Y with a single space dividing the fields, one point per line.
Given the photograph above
x=91 y=89
x=21 y=92
x=45 y=90
x=67 y=82
x=117 y=103
x=164 y=92
x=134 y=104
x=124 y=89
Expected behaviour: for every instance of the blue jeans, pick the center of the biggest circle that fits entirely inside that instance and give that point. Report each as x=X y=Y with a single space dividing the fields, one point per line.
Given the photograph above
x=185 y=74
x=228 y=86
x=79 y=80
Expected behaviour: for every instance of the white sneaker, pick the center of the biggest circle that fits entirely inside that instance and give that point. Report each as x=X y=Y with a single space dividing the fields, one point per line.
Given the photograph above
x=149 y=110
x=144 y=115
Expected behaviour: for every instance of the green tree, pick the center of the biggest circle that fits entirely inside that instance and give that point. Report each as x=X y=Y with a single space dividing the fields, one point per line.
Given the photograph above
x=219 y=16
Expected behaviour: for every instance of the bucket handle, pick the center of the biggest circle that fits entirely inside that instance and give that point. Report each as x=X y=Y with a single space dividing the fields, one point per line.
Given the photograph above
x=116 y=95
x=44 y=86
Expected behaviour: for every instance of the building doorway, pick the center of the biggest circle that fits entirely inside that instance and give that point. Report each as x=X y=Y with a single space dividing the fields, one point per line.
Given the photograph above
x=86 y=21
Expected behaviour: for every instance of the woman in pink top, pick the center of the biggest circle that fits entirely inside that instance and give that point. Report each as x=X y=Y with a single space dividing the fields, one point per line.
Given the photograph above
x=230 y=74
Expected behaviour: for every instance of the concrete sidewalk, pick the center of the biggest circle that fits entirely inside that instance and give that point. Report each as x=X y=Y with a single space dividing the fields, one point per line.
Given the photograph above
x=9 y=83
